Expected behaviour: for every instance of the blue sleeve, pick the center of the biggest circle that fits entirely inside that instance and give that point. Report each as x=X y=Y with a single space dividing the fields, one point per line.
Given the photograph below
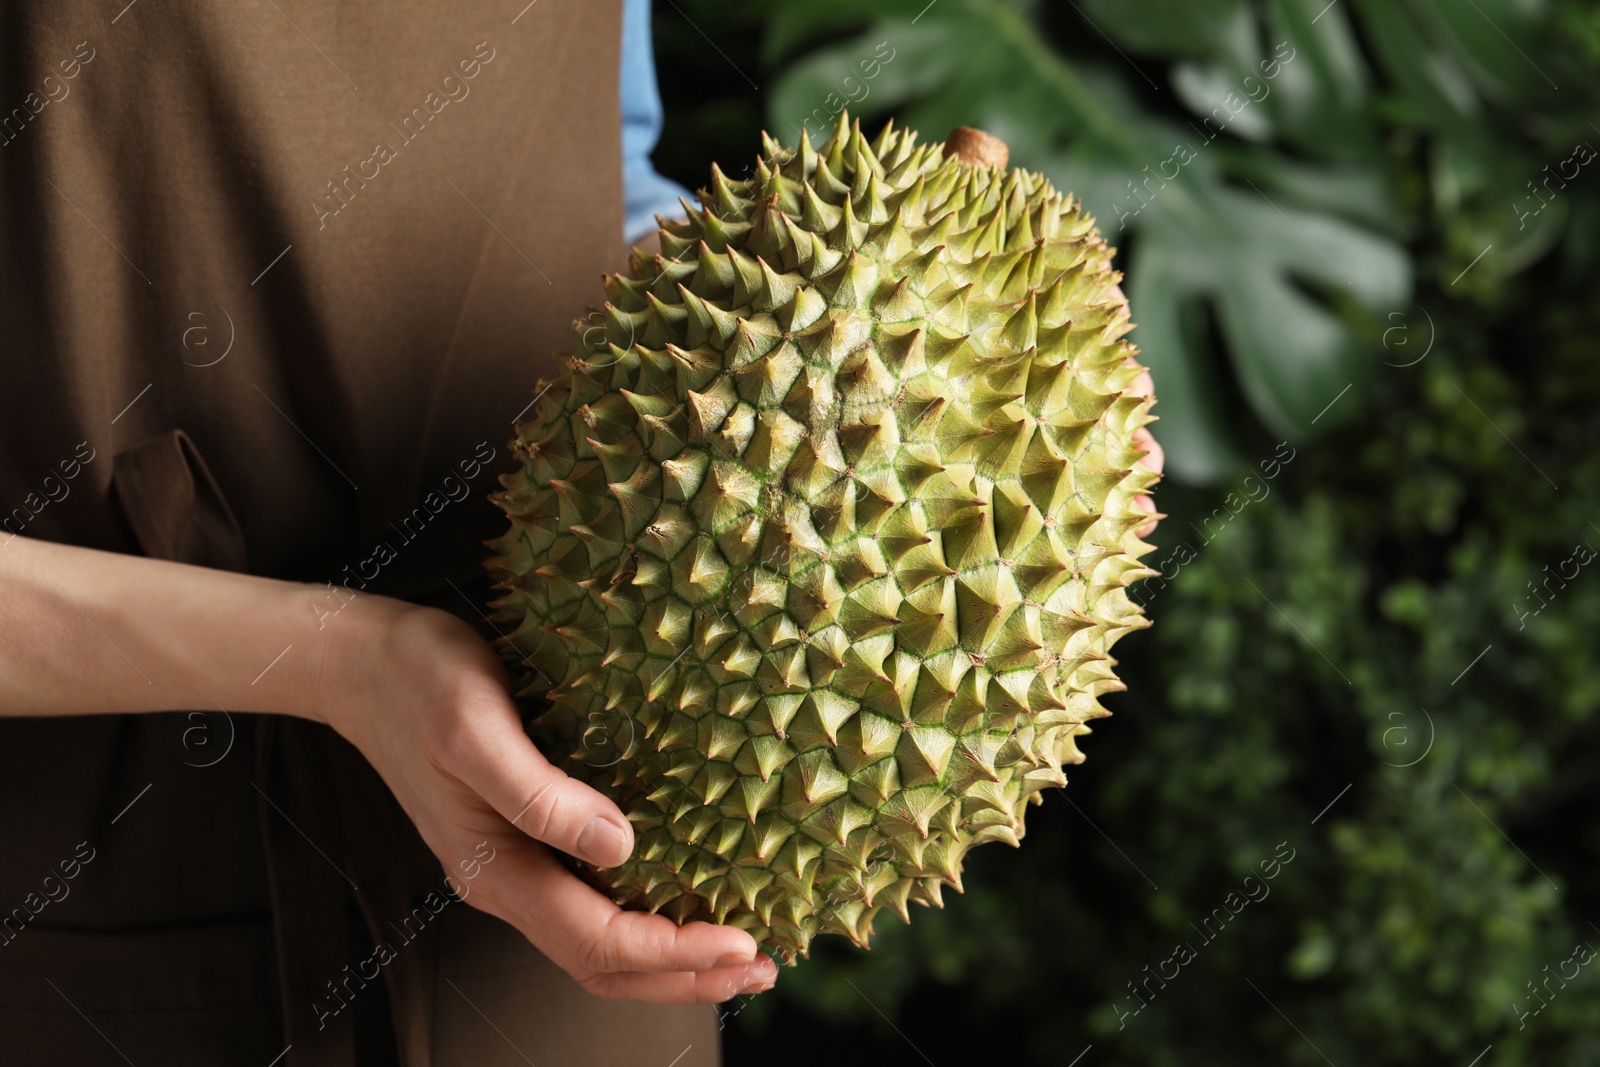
x=645 y=192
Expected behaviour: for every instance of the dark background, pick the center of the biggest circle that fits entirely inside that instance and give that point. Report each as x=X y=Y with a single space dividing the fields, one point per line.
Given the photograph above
x=1382 y=659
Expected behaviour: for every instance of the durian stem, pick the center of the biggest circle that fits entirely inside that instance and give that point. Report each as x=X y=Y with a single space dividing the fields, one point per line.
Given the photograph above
x=978 y=148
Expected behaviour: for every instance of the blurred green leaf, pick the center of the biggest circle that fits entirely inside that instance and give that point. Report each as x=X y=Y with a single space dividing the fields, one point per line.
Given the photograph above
x=1499 y=40
x=1170 y=28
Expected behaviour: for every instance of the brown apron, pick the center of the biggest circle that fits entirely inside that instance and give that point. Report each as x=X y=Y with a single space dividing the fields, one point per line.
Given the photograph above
x=275 y=279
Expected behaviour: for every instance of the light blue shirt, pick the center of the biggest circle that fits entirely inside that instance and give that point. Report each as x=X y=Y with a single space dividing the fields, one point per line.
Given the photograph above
x=645 y=192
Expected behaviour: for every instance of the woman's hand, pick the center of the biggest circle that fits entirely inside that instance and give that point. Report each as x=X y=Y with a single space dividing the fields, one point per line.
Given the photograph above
x=414 y=689
x=1154 y=457
x=426 y=701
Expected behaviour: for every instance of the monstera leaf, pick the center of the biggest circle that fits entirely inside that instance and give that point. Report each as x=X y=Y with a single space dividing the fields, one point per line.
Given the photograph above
x=1221 y=235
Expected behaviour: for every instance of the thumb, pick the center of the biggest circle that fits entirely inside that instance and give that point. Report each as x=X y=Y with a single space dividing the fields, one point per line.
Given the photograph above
x=498 y=761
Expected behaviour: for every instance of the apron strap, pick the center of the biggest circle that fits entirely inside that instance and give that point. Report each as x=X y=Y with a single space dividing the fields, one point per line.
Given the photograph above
x=336 y=837
x=309 y=893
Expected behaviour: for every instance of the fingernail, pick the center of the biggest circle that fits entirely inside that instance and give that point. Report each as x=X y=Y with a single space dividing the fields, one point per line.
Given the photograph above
x=763 y=975
x=730 y=959
x=603 y=843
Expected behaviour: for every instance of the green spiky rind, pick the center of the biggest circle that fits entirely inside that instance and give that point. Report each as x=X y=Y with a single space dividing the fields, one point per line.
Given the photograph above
x=819 y=549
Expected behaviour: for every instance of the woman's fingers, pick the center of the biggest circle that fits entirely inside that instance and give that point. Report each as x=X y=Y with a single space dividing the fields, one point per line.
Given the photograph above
x=1154 y=458
x=638 y=941
x=579 y=928
x=488 y=751
x=448 y=740
x=705 y=987
x=614 y=952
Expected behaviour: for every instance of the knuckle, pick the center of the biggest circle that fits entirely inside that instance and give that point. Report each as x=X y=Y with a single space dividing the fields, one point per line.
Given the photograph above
x=599 y=952
x=453 y=751
x=454 y=741
x=540 y=813
x=625 y=943
x=663 y=944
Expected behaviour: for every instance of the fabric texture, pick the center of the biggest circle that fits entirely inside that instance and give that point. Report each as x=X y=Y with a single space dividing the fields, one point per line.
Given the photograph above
x=276 y=281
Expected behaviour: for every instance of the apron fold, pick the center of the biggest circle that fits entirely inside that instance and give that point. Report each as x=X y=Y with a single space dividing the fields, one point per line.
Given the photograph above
x=174 y=506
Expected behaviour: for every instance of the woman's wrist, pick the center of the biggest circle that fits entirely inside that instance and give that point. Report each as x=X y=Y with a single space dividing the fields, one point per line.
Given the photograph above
x=352 y=644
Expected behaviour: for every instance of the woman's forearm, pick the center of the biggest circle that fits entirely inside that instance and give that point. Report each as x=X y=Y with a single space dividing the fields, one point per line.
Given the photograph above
x=84 y=631
x=415 y=689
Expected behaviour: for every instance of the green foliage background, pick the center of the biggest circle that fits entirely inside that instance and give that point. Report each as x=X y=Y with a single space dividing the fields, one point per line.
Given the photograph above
x=1357 y=266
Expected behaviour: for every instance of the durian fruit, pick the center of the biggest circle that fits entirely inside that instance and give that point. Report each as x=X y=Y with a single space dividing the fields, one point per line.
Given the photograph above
x=819 y=548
